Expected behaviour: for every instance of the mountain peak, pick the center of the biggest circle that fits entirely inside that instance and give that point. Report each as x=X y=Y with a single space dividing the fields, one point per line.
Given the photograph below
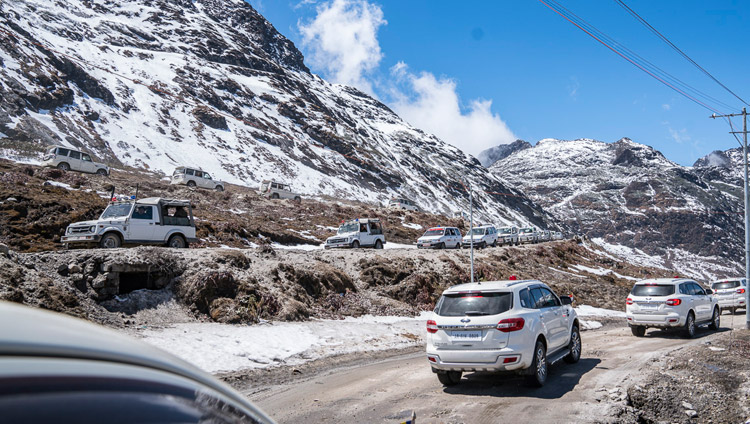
x=502 y=151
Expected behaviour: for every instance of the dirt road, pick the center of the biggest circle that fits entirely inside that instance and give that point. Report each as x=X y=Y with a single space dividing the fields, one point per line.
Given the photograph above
x=387 y=391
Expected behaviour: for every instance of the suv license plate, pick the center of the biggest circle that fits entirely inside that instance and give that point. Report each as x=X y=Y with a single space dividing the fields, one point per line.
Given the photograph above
x=649 y=306
x=466 y=335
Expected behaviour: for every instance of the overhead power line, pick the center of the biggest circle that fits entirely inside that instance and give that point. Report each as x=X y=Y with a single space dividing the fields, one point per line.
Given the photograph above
x=677 y=49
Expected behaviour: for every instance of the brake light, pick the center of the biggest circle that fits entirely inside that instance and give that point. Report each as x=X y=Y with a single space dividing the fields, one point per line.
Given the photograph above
x=674 y=302
x=431 y=326
x=740 y=291
x=629 y=301
x=510 y=324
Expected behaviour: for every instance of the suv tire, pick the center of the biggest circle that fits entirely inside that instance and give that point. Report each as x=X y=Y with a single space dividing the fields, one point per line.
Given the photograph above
x=64 y=166
x=574 y=347
x=378 y=244
x=177 y=242
x=355 y=244
x=102 y=172
x=297 y=199
x=690 y=325
x=538 y=368
x=110 y=241
x=219 y=188
x=450 y=378
x=441 y=246
x=191 y=183
x=275 y=196
x=638 y=330
x=715 y=320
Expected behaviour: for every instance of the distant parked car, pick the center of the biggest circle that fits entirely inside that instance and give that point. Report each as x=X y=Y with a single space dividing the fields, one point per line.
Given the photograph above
x=58 y=369
x=277 y=190
x=508 y=235
x=519 y=327
x=440 y=238
x=146 y=221
x=528 y=235
x=69 y=159
x=556 y=235
x=731 y=293
x=671 y=303
x=481 y=236
x=195 y=177
x=545 y=235
x=401 y=203
x=367 y=232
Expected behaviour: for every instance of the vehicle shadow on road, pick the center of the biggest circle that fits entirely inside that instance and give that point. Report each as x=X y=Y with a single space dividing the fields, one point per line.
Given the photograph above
x=562 y=379
x=678 y=334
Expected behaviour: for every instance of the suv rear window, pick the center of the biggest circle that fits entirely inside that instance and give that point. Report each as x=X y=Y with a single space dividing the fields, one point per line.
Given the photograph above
x=653 y=290
x=725 y=285
x=462 y=304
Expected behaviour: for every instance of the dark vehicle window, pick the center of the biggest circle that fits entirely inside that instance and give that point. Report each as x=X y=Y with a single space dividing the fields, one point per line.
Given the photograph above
x=117 y=210
x=653 y=290
x=698 y=290
x=375 y=228
x=462 y=304
x=189 y=172
x=62 y=152
x=85 y=157
x=548 y=299
x=75 y=155
x=684 y=288
x=199 y=174
x=143 y=212
x=725 y=285
x=433 y=233
x=525 y=299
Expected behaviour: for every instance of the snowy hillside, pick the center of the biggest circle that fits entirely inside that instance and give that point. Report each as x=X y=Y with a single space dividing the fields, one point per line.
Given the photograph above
x=155 y=84
x=494 y=154
x=634 y=202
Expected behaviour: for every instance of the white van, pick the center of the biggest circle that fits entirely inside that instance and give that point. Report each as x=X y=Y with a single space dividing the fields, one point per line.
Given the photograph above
x=195 y=177
x=482 y=236
x=69 y=159
x=277 y=190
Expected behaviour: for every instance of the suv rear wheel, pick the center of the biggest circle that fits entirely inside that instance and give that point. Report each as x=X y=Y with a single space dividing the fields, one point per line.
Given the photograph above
x=177 y=242
x=638 y=330
x=538 y=366
x=64 y=166
x=715 y=320
x=101 y=171
x=219 y=188
x=450 y=378
x=110 y=241
x=191 y=183
x=690 y=325
x=378 y=244
x=355 y=244
x=574 y=347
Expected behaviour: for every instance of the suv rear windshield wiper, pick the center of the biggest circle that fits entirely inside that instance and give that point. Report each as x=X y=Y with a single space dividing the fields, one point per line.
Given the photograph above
x=475 y=313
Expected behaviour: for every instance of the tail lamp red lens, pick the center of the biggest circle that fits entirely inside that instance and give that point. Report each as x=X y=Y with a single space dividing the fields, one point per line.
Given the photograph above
x=510 y=324
x=740 y=291
x=674 y=302
x=432 y=326
x=629 y=301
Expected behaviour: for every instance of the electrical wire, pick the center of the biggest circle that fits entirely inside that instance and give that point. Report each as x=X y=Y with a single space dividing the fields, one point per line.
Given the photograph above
x=677 y=49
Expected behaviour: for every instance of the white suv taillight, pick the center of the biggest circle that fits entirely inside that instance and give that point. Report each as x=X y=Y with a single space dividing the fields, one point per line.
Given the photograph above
x=431 y=326
x=740 y=291
x=510 y=324
x=674 y=302
x=629 y=301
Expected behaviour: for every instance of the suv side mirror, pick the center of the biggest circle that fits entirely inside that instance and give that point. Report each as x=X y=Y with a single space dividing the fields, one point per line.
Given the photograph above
x=566 y=300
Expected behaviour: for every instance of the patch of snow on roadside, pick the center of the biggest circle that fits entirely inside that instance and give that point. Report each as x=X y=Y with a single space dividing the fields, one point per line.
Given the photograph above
x=59 y=184
x=412 y=226
x=591 y=311
x=602 y=271
x=589 y=325
x=276 y=245
x=217 y=347
x=390 y=245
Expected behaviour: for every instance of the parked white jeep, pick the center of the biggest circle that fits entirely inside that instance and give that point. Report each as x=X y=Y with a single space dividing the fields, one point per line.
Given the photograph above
x=145 y=221
x=69 y=159
x=276 y=190
x=508 y=235
x=195 y=177
x=356 y=233
x=401 y=203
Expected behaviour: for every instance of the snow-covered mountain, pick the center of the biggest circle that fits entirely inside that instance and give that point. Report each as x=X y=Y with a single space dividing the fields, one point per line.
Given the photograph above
x=493 y=154
x=634 y=202
x=160 y=83
x=722 y=167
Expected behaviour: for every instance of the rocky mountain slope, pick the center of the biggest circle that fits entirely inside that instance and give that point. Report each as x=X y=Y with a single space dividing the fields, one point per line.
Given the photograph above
x=632 y=200
x=153 y=84
x=494 y=154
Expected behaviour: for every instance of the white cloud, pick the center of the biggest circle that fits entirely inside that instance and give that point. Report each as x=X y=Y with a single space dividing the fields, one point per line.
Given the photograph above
x=666 y=106
x=433 y=105
x=342 y=41
x=680 y=136
x=573 y=88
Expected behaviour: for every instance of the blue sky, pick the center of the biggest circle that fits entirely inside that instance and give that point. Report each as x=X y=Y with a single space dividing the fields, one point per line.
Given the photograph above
x=479 y=73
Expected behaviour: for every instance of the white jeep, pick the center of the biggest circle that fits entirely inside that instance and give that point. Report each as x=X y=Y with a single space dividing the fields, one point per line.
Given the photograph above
x=356 y=233
x=195 y=177
x=69 y=159
x=508 y=235
x=147 y=221
x=276 y=190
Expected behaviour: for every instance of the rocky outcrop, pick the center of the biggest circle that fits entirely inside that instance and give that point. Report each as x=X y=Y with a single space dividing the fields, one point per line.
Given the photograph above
x=494 y=154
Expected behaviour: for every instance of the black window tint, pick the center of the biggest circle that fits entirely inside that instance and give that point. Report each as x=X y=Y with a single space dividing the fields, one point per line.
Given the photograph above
x=653 y=290
x=462 y=304
x=189 y=172
x=62 y=152
x=75 y=155
x=698 y=290
x=684 y=289
x=143 y=212
x=536 y=298
x=549 y=299
x=525 y=299
x=199 y=174
x=725 y=285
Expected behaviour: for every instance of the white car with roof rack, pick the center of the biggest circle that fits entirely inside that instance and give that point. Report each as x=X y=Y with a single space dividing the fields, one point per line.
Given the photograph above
x=677 y=303
x=731 y=293
x=516 y=327
x=481 y=236
x=129 y=221
x=366 y=232
x=195 y=177
x=440 y=238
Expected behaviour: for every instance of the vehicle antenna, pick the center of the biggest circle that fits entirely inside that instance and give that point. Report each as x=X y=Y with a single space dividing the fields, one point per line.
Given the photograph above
x=112 y=195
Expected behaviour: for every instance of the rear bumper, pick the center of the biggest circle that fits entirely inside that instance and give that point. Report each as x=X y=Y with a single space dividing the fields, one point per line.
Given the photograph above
x=732 y=303
x=428 y=246
x=648 y=320
x=478 y=360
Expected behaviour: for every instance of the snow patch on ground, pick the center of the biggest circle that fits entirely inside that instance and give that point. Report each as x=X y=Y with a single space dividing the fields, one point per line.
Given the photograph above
x=217 y=347
x=589 y=325
x=602 y=271
x=276 y=245
x=412 y=226
x=591 y=311
x=390 y=245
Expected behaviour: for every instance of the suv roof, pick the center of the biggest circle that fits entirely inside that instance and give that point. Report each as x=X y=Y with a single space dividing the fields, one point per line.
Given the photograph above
x=663 y=281
x=489 y=285
x=161 y=201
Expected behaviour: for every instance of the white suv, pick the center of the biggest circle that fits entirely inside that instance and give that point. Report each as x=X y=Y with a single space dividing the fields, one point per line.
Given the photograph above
x=671 y=303
x=731 y=293
x=482 y=236
x=528 y=235
x=508 y=235
x=440 y=238
x=276 y=190
x=195 y=177
x=520 y=327
x=69 y=159
x=367 y=232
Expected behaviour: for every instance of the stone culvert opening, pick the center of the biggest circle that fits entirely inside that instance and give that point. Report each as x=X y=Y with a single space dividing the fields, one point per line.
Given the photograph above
x=132 y=281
